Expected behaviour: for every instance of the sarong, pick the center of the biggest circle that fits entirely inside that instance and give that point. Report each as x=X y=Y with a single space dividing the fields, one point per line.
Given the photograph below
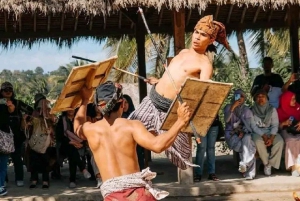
x=151 y=112
x=131 y=194
x=132 y=186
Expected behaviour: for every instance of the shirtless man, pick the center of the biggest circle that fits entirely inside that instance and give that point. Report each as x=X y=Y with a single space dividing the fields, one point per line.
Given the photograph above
x=192 y=63
x=113 y=142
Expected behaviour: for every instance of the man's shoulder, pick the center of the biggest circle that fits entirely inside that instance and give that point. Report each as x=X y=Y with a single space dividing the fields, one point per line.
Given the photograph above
x=184 y=51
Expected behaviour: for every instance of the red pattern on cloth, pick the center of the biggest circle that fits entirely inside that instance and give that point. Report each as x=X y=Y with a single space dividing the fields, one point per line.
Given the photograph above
x=131 y=194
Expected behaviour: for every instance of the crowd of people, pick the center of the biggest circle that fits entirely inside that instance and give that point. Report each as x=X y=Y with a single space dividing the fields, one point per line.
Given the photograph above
x=43 y=142
x=267 y=129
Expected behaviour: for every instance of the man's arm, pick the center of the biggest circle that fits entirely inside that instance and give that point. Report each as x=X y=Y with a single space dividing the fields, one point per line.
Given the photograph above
x=206 y=71
x=161 y=142
x=292 y=79
x=80 y=122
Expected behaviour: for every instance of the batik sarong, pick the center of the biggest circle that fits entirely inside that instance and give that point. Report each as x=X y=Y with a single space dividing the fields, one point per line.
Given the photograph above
x=152 y=112
x=132 y=187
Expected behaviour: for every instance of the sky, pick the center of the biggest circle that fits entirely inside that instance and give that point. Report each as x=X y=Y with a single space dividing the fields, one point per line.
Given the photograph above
x=50 y=57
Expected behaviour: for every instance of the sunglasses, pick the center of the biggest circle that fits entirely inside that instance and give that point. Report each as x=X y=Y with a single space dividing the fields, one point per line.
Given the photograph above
x=8 y=90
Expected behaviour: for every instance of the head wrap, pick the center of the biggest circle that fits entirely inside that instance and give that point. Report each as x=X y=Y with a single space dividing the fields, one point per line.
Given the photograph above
x=216 y=30
x=108 y=94
x=285 y=109
x=264 y=112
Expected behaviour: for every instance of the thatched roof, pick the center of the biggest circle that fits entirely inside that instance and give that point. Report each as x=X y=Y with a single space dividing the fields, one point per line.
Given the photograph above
x=62 y=22
x=105 y=7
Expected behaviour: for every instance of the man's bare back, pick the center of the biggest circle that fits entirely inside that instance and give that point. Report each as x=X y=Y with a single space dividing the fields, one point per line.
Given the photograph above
x=113 y=147
x=113 y=139
x=187 y=64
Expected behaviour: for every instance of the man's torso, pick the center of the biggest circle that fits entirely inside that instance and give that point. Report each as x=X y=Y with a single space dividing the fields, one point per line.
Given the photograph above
x=114 y=148
x=184 y=65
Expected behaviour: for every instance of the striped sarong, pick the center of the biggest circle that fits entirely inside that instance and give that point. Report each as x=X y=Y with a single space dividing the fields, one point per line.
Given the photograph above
x=152 y=118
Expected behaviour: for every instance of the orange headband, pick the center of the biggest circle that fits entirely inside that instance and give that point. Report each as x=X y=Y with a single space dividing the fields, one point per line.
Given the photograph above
x=216 y=30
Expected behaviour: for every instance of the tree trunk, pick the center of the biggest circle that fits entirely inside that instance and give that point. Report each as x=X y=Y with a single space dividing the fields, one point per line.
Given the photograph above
x=244 y=64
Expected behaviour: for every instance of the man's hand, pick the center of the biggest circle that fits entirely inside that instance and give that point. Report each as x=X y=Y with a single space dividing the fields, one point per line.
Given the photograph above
x=183 y=112
x=241 y=135
x=86 y=93
x=152 y=80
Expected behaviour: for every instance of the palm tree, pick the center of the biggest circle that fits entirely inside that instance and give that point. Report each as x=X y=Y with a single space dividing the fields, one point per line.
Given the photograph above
x=126 y=49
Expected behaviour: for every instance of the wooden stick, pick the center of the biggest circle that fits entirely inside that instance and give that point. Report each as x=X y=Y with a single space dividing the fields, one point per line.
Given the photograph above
x=124 y=71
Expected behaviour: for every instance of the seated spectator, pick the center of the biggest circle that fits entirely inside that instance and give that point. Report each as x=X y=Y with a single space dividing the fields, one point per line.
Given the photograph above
x=293 y=85
x=289 y=119
x=270 y=82
x=266 y=119
x=238 y=133
x=70 y=144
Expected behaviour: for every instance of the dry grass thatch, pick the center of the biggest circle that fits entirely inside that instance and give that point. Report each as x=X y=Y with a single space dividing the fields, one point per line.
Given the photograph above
x=104 y=7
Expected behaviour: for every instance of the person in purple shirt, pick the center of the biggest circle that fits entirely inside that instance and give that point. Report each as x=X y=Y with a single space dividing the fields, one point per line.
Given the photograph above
x=238 y=129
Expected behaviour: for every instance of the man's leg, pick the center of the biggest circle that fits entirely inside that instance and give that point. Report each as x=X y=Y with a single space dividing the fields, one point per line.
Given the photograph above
x=276 y=151
x=210 y=151
x=201 y=148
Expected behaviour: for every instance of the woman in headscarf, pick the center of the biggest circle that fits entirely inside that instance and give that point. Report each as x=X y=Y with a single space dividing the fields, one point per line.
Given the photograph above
x=288 y=110
x=266 y=119
x=238 y=133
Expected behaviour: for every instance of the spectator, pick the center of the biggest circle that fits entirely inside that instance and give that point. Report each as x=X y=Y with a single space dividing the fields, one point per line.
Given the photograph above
x=15 y=121
x=70 y=144
x=238 y=129
x=207 y=146
x=266 y=119
x=128 y=109
x=290 y=129
x=270 y=82
x=6 y=108
x=293 y=85
x=40 y=140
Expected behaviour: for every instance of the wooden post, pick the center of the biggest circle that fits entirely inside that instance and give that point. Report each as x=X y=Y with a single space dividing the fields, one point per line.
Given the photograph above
x=179 y=30
x=140 y=40
x=184 y=176
x=294 y=37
